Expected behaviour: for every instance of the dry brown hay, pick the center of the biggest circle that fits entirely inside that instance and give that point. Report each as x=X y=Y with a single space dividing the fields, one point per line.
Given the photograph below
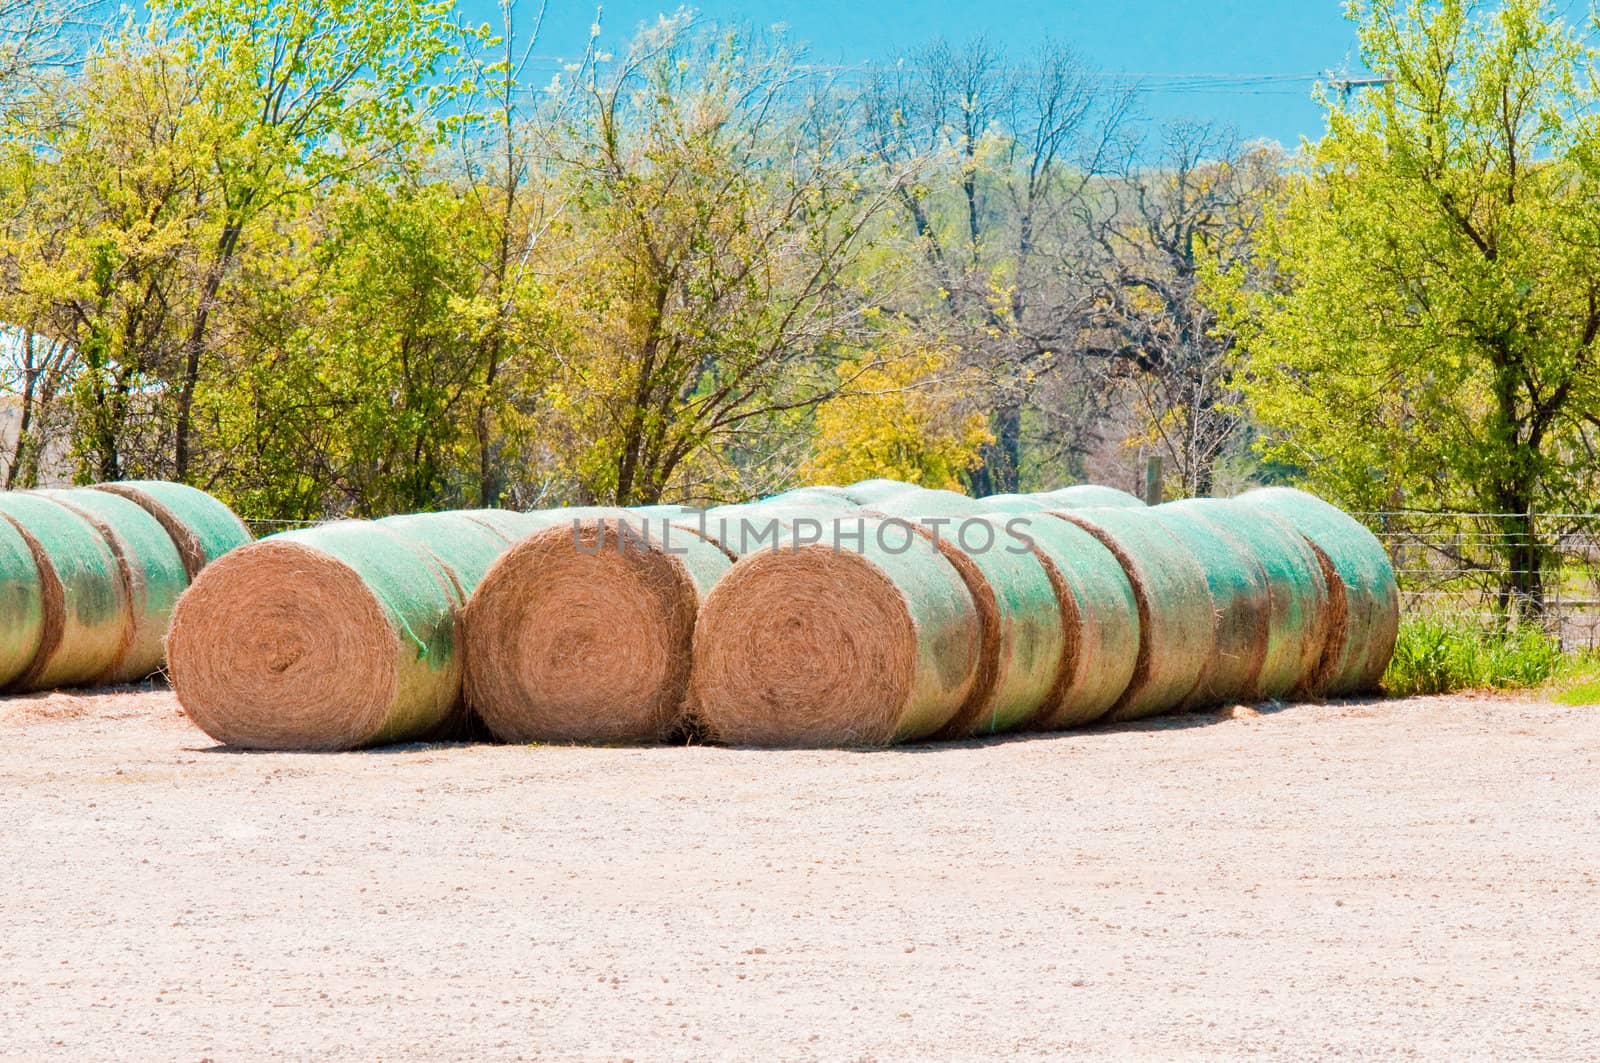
x=583 y=633
x=335 y=637
x=819 y=646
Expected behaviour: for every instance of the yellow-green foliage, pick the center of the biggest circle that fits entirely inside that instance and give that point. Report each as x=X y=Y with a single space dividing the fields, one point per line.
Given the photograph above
x=901 y=416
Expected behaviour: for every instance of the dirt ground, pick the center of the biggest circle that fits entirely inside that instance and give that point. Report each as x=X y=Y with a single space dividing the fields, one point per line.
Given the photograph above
x=1412 y=878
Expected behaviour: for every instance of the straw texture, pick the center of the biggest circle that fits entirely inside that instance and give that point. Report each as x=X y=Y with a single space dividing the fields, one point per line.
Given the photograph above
x=335 y=637
x=583 y=634
x=1085 y=496
x=818 y=646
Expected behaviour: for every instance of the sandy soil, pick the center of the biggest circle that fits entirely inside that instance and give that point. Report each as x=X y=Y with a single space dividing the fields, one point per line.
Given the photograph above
x=1413 y=878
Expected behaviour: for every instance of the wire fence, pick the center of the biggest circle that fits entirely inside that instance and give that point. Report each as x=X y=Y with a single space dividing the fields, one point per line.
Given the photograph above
x=1478 y=566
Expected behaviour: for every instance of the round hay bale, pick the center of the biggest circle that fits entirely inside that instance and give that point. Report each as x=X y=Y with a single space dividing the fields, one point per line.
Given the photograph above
x=1085 y=496
x=1297 y=590
x=1364 y=600
x=1177 y=636
x=867 y=492
x=1243 y=605
x=1099 y=619
x=585 y=635
x=334 y=637
x=201 y=527
x=833 y=645
x=151 y=569
x=1014 y=504
x=83 y=600
x=1021 y=640
x=21 y=603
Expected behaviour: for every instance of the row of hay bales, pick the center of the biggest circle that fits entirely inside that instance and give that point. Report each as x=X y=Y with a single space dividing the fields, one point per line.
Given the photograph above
x=89 y=577
x=867 y=615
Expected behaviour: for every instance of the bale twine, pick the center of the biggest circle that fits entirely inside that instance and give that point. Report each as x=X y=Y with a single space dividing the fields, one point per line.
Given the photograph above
x=151 y=569
x=583 y=634
x=1099 y=619
x=201 y=527
x=21 y=603
x=1296 y=587
x=833 y=645
x=84 y=608
x=1176 y=621
x=333 y=637
x=1084 y=496
x=1364 y=600
x=867 y=492
x=1021 y=640
x=1242 y=603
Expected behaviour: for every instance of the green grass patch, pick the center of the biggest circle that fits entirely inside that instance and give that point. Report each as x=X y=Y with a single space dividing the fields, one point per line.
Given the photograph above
x=1585 y=692
x=1443 y=653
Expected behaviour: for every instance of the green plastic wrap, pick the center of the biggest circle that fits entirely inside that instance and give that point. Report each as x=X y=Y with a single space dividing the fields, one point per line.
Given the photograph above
x=869 y=491
x=1100 y=618
x=1014 y=504
x=152 y=570
x=1362 y=633
x=201 y=527
x=921 y=502
x=1243 y=606
x=85 y=610
x=1297 y=590
x=464 y=542
x=1176 y=615
x=832 y=498
x=21 y=602
x=1022 y=640
x=1086 y=496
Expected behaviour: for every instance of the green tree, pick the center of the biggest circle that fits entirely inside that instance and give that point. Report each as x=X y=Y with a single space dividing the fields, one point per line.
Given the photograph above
x=710 y=281
x=1421 y=321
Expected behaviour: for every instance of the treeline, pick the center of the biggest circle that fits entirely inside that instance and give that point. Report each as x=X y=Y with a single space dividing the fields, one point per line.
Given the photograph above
x=325 y=257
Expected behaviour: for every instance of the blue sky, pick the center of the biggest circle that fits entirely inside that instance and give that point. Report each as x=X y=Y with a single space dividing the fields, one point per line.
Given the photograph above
x=1301 y=38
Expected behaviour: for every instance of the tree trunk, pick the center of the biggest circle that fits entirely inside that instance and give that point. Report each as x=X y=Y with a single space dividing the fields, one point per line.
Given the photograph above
x=1002 y=459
